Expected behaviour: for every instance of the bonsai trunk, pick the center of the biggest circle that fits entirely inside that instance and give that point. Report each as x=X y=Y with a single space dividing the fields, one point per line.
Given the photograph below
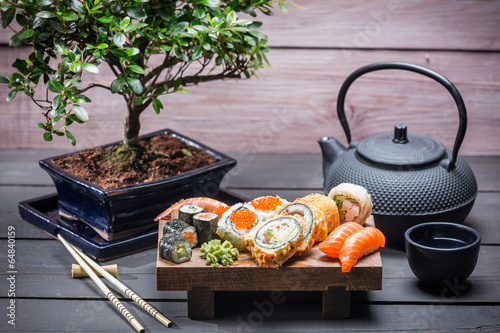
x=132 y=123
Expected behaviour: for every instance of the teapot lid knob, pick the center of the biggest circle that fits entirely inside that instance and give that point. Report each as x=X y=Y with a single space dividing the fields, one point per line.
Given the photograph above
x=400 y=135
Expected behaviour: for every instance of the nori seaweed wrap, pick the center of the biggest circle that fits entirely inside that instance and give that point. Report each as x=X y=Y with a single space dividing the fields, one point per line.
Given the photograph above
x=176 y=227
x=203 y=222
x=175 y=249
x=186 y=213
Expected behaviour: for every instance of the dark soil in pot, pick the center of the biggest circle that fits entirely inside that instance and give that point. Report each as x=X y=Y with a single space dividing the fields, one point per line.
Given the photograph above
x=117 y=166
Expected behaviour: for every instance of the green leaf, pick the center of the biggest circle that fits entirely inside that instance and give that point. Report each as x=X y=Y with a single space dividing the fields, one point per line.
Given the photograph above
x=135 y=85
x=91 y=68
x=77 y=6
x=40 y=125
x=165 y=47
x=199 y=12
x=157 y=105
x=105 y=19
x=70 y=137
x=81 y=113
x=119 y=53
x=42 y=3
x=218 y=61
x=186 y=152
x=70 y=16
x=119 y=39
x=28 y=33
x=22 y=21
x=46 y=14
x=75 y=68
x=55 y=86
x=132 y=51
x=8 y=16
x=117 y=85
x=47 y=136
x=125 y=22
x=197 y=51
x=201 y=28
x=56 y=101
x=12 y=94
x=136 y=12
x=133 y=27
x=210 y=3
x=136 y=69
x=3 y=79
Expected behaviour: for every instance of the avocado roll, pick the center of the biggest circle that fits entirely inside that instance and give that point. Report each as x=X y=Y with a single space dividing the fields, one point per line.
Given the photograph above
x=274 y=241
x=175 y=249
x=186 y=213
x=176 y=227
x=203 y=222
x=353 y=202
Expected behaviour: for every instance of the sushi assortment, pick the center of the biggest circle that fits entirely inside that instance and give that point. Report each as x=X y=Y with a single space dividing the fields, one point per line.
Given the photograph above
x=273 y=229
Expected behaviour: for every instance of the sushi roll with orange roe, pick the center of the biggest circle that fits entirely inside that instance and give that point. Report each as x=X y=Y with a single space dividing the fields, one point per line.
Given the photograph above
x=236 y=222
x=266 y=205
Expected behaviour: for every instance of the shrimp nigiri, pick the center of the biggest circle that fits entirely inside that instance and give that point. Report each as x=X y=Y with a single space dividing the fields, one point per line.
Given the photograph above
x=333 y=243
x=208 y=204
x=359 y=244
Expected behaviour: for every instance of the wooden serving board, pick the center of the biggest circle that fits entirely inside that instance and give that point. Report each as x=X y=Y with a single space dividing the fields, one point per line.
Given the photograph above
x=311 y=271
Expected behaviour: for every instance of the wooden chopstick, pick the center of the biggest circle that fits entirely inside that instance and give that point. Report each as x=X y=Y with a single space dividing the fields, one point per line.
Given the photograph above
x=124 y=289
x=123 y=310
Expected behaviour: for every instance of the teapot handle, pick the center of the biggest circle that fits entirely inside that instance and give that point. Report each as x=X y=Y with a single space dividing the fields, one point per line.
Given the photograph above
x=462 y=113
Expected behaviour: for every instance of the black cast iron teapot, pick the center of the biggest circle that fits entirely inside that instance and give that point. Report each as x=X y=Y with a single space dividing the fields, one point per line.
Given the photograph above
x=411 y=178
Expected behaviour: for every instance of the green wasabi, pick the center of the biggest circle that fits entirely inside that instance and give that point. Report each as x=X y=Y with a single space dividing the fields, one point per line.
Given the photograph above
x=216 y=253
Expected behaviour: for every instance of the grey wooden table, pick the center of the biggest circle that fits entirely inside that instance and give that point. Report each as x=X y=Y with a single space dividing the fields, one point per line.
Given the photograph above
x=47 y=299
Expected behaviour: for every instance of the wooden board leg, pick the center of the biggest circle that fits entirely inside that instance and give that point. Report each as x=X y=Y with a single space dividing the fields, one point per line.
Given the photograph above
x=200 y=302
x=336 y=303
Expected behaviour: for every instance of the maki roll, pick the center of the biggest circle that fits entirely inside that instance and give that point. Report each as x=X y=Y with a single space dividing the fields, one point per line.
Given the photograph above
x=353 y=202
x=274 y=241
x=175 y=249
x=235 y=222
x=203 y=222
x=176 y=227
x=311 y=219
x=266 y=205
x=186 y=212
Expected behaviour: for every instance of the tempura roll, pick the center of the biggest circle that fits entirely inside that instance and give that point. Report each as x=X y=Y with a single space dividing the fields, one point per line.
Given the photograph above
x=274 y=241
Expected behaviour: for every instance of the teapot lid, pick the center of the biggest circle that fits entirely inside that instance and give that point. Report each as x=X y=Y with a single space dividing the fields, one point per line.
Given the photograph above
x=401 y=149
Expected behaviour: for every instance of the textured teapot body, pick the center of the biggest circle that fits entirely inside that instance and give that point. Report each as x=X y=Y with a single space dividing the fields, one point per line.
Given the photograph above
x=411 y=178
x=404 y=196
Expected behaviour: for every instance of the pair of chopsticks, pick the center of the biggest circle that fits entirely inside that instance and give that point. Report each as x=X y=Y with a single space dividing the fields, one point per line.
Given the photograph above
x=85 y=261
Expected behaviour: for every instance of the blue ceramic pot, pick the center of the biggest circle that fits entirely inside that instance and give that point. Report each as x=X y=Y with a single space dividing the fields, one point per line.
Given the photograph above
x=125 y=211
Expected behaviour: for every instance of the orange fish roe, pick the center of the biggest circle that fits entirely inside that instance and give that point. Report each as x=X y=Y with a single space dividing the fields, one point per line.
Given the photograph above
x=221 y=210
x=266 y=203
x=243 y=218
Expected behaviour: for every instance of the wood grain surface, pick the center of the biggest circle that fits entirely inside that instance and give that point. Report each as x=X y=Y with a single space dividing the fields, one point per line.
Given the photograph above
x=293 y=103
x=45 y=289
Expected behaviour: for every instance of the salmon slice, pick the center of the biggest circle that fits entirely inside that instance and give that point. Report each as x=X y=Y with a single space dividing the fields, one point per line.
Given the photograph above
x=333 y=243
x=359 y=244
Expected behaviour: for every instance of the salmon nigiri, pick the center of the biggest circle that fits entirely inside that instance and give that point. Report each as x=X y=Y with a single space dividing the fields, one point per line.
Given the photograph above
x=333 y=243
x=359 y=244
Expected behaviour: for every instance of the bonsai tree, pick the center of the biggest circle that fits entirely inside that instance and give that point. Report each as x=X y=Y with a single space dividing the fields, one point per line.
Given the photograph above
x=153 y=48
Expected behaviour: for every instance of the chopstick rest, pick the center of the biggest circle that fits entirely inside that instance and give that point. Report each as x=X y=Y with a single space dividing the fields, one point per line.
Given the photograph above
x=78 y=272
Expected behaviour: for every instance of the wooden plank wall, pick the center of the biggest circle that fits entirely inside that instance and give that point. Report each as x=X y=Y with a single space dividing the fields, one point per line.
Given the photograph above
x=292 y=104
